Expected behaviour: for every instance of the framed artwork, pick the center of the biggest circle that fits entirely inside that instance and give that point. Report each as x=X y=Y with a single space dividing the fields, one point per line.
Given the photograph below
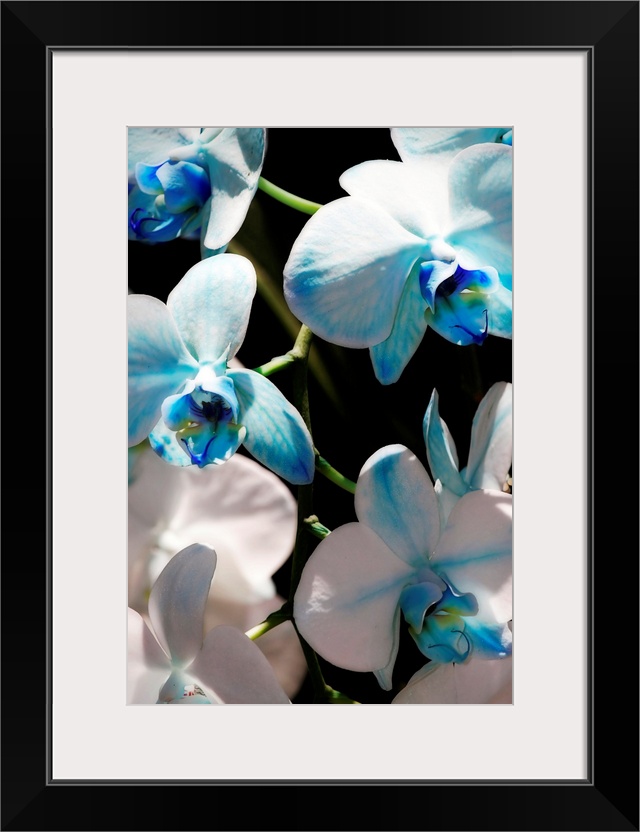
x=306 y=97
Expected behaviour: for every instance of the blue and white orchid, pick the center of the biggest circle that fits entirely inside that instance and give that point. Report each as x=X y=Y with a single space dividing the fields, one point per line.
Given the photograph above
x=490 y=449
x=452 y=585
x=421 y=242
x=182 y=395
x=189 y=180
x=174 y=664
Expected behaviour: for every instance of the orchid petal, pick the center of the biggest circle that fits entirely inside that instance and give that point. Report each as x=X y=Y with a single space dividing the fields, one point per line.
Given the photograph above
x=236 y=670
x=247 y=514
x=346 y=604
x=471 y=683
x=425 y=144
x=480 y=181
x=212 y=303
x=402 y=192
x=431 y=275
x=391 y=356
x=490 y=640
x=384 y=676
x=166 y=445
x=147 y=665
x=177 y=602
x=147 y=178
x=491 y=445
x=441 y=449
x=276 y=433
x=475 y=552
x=184 y=184
x=159 y=363
x=148 y=219
x=346 y=272
x=153 y=145
x=280 y=645
x=235 y=158
x=395 y=498
x=446 y=501
x=500 y=313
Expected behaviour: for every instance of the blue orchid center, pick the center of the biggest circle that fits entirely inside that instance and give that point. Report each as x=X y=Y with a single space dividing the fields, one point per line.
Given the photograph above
x=436 y=620
x=457 y=299
x=181 y=189
x=204 y=417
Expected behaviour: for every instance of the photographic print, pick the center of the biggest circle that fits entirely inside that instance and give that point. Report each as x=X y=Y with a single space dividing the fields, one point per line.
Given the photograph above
x=320 y=415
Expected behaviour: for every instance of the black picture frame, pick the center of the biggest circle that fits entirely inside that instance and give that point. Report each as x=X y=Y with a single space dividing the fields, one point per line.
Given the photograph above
x=608 y=798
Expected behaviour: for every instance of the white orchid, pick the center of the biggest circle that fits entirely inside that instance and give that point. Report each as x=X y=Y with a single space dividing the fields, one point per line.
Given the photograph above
x=247 y=515
x=173 y=664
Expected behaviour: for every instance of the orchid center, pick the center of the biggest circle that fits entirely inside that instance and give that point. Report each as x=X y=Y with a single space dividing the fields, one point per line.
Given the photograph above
x=181 y=189
x=181 y=689
x=436 y=620
x=204 y=417
x=457 y=300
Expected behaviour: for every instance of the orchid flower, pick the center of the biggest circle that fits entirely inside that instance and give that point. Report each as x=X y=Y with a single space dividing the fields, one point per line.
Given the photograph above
x=453 y=586
x=172 y=664
x=473 y=683
x=490 y=450
x=421 y=242
x=242 y=511
x=188 y=179
x=182 y=395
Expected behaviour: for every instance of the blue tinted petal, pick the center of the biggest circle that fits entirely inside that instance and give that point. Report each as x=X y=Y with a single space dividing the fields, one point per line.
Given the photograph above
x=276 y=433
x=432 y=273
x=234 y=161
x=416 y=599
x=347 y=270
x=395 y=498
x=480 y=184
x=147 y=179
x=500 y=313
x=155 y=225
x=159 y=363
x=185 y=185
x=212 y=303
x=488 y=641
x=441 y=449
x=166 y=445
x=491 y=445
x=417 y=144
x=391 y=356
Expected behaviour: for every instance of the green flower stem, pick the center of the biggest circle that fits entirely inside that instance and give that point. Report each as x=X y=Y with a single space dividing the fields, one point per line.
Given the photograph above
x=269 y=623
x=335 y=476
x=316 y=527
x=299 y=352
x=275 y=365
x=293 y=201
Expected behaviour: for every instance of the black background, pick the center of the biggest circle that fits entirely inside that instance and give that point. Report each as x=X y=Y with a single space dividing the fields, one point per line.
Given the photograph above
x=608 y=799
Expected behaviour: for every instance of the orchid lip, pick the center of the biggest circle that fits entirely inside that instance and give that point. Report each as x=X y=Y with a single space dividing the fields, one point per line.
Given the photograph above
x=477 y=337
